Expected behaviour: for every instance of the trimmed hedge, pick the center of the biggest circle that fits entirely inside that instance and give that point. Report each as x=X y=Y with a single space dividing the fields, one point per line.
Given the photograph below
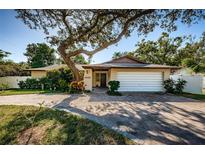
x=55 y=80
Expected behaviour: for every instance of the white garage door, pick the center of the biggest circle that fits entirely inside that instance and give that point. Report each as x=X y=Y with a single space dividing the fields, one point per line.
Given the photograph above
x=140 y=81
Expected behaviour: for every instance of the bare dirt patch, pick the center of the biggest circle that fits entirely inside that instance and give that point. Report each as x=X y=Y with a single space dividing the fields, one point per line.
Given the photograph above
x=32 y=135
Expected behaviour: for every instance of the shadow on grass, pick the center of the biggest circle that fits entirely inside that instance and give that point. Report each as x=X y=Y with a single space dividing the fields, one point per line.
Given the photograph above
x=62 y=128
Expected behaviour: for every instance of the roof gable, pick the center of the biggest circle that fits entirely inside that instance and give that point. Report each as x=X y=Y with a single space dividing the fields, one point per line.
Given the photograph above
x=125 y=59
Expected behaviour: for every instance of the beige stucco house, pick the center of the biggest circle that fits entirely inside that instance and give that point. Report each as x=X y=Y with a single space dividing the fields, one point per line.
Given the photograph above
x=133 y=74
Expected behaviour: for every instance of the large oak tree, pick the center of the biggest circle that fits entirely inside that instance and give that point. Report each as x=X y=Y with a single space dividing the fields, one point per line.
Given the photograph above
x=91 y=31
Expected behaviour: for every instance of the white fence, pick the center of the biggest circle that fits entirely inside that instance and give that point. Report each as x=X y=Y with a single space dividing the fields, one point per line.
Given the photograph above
x=12 y=81
x=194 y=83
x=203 y=82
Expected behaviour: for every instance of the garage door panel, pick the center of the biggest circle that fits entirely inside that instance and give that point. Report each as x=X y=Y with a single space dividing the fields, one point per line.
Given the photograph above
x=140 y=81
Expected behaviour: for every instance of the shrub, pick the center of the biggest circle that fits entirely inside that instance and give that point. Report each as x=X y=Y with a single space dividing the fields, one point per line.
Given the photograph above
x=33 y=84
x=113 y=88
x=4 y=86
x=77 y=87
x=63 y=85
x=55 y=80
x=58 y=79
x=179 y=86
x=22 y=84
x=172 y=86
x=169 y=85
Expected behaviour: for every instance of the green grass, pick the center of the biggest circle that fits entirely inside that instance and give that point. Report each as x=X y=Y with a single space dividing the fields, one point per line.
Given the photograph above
x=200 y=97
x=22 y=92
x=52 y=127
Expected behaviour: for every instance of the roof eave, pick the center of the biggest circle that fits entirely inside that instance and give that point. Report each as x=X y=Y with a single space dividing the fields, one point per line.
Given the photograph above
x=165 y=67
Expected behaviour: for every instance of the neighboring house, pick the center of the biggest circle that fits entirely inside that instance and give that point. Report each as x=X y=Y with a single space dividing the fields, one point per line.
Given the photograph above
x=42 y=71
x=133 y=74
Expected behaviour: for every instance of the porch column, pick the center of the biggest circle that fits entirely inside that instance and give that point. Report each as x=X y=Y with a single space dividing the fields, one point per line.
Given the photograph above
x=88 y=79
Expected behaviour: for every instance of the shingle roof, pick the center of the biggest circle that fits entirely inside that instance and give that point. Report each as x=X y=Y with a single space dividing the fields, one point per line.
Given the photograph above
x=53 y=67
x=127 y=62
x=127 y=65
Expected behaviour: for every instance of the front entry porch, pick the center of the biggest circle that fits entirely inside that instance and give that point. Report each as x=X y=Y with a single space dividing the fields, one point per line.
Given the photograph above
x=100 y=79
x=96 y=78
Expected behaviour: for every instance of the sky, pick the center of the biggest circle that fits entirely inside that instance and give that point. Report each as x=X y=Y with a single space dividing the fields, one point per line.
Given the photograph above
x=15 y=36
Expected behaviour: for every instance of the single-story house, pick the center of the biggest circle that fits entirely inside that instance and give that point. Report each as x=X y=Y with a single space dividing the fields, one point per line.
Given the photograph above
x=42 y=71
x=134 y=75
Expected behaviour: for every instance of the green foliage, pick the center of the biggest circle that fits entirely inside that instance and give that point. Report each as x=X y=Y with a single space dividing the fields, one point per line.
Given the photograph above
x=120 y=54
x=22 y=84
x=79 y=59
x=63 y=85
x=40 y=55
x=55 y=80
x=196 y=58
x=4 y=86
x=172 y=86
x=179 y=86
x=9 y=68
x=32 y=84
x=113 y=88
x=90 y=31
x=22 y=92
x=59 y=79
x=177 y=51
x=169 y=85
x=82 y=31
x=113 y=85
x=3 y=54
x=165 y=50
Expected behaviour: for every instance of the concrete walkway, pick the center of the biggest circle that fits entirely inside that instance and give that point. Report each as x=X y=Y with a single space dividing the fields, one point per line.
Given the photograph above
x=49 y=100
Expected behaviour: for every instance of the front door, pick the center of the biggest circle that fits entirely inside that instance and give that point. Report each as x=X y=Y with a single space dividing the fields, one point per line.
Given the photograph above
x=103 y=80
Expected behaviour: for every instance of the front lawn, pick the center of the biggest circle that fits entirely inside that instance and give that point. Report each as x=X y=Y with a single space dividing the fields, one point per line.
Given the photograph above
x=51 y=127
x=200 y=97
x=22 y=92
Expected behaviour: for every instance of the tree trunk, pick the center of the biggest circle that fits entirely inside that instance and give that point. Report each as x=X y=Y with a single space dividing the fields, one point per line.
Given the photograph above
x=73 y=68
x=69 y=63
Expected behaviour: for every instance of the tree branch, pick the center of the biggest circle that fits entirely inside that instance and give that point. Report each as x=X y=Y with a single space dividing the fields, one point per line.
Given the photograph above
x=64 y=15
x=117 y=39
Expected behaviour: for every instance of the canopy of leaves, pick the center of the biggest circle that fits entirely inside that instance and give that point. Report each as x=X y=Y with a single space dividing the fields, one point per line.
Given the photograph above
x=79 y=30
x=165 y=50
x=9 y=68
x=120 y=54
x=195 y=58
x=40 y=55
x=3 y=54
x=91 y=31
x=176 y=51
x=78 y=59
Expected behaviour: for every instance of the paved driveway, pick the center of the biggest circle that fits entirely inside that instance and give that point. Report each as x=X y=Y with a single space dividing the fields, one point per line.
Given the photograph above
x=144 y=117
